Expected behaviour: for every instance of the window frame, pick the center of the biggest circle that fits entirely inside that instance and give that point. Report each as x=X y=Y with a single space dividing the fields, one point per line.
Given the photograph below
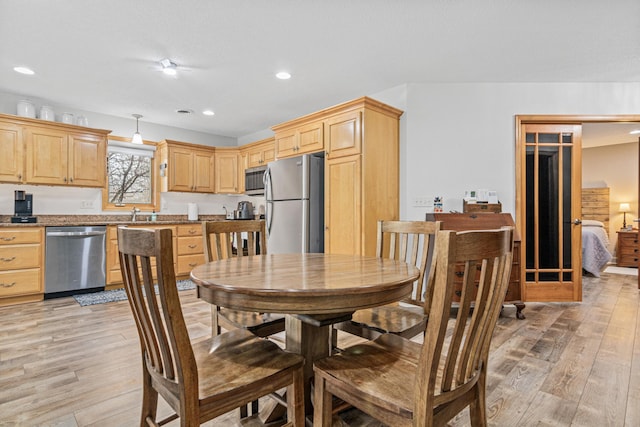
x=155 y=196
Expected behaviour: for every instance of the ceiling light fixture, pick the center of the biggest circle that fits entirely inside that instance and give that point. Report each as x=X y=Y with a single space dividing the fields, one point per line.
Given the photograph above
x=169 y=67
x=283 y=75
x=137 y=138
x=208 y=113
x=24 y=70
x=634 y=132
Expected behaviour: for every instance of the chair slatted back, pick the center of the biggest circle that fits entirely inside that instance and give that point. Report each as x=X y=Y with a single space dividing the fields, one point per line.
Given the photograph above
x=219 y=237
x=167 y=353
x=409 y=241
x=487 y=257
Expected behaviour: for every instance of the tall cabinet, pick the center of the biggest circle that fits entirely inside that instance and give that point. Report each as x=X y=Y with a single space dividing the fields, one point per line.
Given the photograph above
x=361 y=142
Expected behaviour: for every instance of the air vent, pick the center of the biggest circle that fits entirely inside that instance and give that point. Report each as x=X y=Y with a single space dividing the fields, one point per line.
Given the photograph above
x=184 y=111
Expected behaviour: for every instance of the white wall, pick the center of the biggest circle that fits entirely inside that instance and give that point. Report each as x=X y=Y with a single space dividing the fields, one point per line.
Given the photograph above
x=462 y=136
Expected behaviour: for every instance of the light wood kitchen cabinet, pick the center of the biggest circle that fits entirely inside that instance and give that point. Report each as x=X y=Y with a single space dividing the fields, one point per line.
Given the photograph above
x=259 y=153
x=361 y=140
x=190 y=249
x=21 y=261
x=189 y=167
x=41 y=152
x=11 y=153
x=114 y=275
x=296 y=139
x=227 y=170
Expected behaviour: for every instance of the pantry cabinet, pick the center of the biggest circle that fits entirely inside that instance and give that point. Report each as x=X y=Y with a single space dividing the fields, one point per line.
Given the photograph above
x=189 y=167
x=21 y=261
x=361 y=143
x=227 y=170
x=41 y=152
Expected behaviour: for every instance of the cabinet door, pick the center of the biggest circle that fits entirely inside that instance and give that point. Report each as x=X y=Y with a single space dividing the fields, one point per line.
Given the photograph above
x=344 y=134
x=180 y=169
x=268 y=153
x=203 y=177
x=226 y=172
x=286 y=144
x=311 y=138
x=47 y=155
x=11 y=153
x=254 y=158
x=87 y=159
x=343 y=206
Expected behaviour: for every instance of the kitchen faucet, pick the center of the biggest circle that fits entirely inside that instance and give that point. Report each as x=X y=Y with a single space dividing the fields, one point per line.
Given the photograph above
x=134 y=211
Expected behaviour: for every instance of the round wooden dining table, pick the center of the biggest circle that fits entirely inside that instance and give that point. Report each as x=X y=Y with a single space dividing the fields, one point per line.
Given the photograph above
x=314 y=289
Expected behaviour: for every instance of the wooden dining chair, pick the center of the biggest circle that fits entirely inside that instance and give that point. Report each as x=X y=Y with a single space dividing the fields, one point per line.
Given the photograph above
x=203 y=380
x=412 y=242
x=224 y=239
x=403 y=383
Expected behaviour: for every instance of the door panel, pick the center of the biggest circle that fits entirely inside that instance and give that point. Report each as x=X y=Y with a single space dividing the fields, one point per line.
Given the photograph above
x=551 y=177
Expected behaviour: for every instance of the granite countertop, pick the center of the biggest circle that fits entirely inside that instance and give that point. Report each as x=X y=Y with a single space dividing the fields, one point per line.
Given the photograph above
x=80 y=220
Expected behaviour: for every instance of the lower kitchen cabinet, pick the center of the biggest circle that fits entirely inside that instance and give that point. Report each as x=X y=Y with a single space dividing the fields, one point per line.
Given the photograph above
x=187 y=250
x=21 y=261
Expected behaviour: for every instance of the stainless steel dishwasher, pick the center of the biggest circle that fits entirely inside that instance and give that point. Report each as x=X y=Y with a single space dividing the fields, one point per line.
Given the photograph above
x=74 y=260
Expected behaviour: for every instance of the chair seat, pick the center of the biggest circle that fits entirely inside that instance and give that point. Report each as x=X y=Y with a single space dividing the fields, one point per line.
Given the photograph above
x=221 y=359
x=360 y=369
x=260 y=324
x=403 y=320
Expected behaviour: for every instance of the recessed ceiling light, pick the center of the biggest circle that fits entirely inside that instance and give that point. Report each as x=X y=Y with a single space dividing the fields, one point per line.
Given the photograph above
x=635 y=132
x=169 y=67
x=283 y=75
x=24 y=70
x=208 y=113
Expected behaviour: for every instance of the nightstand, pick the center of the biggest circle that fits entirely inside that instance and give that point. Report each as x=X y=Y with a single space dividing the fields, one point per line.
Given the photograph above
x=627 y=251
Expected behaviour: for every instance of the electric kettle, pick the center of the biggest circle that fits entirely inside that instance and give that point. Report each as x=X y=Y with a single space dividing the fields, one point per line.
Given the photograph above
x=245 y=210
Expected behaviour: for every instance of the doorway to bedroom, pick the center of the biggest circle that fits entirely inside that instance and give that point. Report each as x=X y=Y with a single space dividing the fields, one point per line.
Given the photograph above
x=549 y=183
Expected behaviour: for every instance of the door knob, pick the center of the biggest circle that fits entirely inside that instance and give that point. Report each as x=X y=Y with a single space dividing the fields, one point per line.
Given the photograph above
x=577 y=221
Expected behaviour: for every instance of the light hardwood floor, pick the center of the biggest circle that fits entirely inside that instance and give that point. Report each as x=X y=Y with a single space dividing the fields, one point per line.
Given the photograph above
x=566 y=364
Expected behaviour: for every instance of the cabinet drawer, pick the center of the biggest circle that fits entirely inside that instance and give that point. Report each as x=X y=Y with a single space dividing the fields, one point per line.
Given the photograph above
x=628 y=250
x=186 y=263
x=190 y=245
x=190 y=230
x=13 y=236
x=18 y=257
x=20 y=282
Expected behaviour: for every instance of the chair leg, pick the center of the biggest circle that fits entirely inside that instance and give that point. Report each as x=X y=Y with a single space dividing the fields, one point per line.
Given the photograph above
x=322 y=404
x=478 y=408
x=295 y=400
x=215 y=326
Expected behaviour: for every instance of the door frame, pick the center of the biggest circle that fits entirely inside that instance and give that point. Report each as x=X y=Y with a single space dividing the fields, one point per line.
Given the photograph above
x=569 y=119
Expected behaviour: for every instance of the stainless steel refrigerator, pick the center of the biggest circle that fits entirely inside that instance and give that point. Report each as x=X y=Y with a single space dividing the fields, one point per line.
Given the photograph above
x=294 y=192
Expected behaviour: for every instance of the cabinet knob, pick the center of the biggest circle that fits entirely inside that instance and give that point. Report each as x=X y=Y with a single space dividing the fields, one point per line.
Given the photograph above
x=458 y=293
x=20 y=176
x=70 y=179
x=7 y=285
x=8 y=259
x=8 y=239
x=192 y=247
x=65 y=179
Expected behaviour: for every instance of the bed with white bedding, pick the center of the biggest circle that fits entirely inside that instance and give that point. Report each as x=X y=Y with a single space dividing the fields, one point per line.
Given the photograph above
x=595 y=244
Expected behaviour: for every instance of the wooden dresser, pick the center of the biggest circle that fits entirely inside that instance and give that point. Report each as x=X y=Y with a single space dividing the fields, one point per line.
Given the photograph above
x=627 y=251
x=487 y=221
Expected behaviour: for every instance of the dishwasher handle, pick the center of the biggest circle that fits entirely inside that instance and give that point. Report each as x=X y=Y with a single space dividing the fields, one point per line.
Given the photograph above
x=75 y=233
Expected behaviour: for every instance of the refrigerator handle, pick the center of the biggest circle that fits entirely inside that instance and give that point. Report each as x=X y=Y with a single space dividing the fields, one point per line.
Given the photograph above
x=268 y=214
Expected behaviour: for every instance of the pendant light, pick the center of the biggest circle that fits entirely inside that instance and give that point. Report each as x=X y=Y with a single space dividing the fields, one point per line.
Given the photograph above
x=137 y=138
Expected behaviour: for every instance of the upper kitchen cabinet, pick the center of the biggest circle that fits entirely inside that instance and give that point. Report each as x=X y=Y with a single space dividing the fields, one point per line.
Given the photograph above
x=227 y=171
x=41 y=152
x=259 y=153
x=189 y=167
x=296 y=138
x=11 y=153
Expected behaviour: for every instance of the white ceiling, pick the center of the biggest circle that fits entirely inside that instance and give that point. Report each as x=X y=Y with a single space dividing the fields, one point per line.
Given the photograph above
x=102 y=55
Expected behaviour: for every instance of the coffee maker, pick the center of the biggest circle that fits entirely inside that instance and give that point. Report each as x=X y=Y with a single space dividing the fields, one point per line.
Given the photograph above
x=23 y=208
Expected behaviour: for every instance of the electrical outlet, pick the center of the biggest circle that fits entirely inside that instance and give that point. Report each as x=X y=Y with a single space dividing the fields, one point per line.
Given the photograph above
x=86 y=204
x=423 y=202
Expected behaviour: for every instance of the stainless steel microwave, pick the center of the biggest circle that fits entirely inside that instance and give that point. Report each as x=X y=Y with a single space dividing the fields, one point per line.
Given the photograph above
x=253 y=181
